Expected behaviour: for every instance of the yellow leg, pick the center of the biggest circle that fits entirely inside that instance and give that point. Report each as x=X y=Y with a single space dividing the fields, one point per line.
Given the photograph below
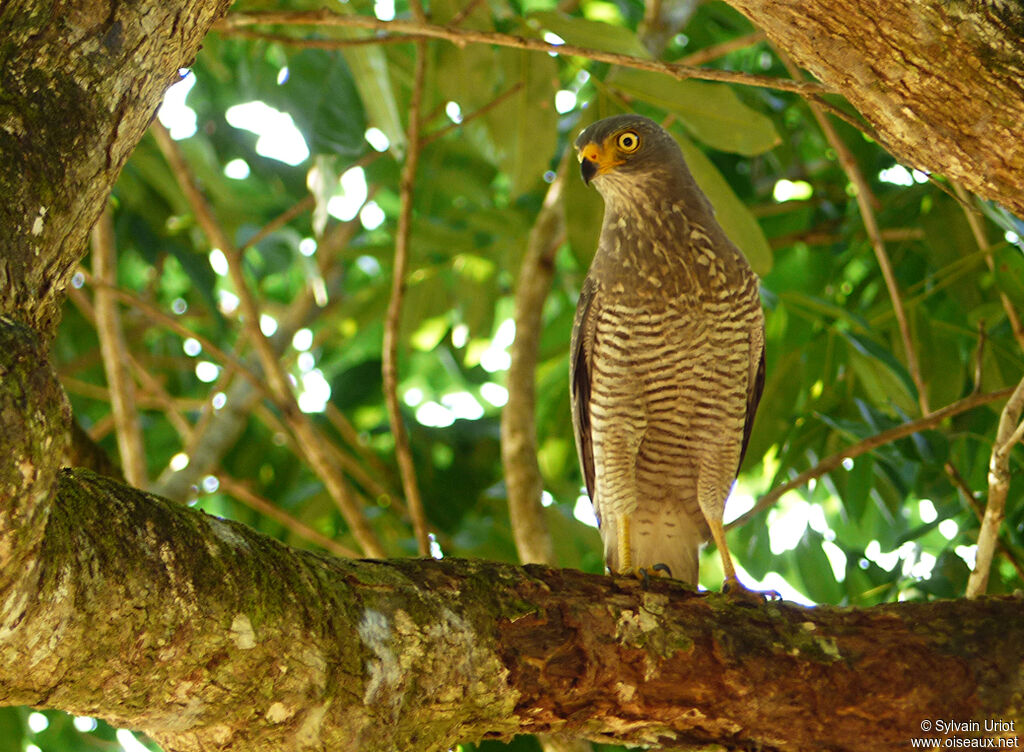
x=732 y=584
x=625 y=553
x=718 y=533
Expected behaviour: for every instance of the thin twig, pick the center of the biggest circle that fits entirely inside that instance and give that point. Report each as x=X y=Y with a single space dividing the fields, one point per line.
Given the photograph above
x=865 y=199
x=247 y=496
x=523 y=482
x=218 y=429
x=152 y=394
x=441 y=132
x=172 y=407
x=461 y=16
x=348 y=432
x=102 y=394
x=979 y=355
x=979 y=512
x=417 y=11
x=308 y=438
x=300 y=207
x=465 y=36
x=715 y=51
x=393 y=319
x=1008 y=435
x=228 y=360
x=977 y=226
x=114 y=351
x=864 y=446
x=326 y=44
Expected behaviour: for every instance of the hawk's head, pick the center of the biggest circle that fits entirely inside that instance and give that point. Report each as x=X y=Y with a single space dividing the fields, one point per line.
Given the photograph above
x=626 y=149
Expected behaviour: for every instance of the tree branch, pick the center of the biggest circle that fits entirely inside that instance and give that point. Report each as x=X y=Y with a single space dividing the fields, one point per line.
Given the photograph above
x=313 y=445
x=523 y=480
x=975 y=222
x=463 y=36
x=865 y=200
x=103 y=72
x=421 y=654
x=393 y=318
x=115 y=354
x=957 y=113
x=1008 y=435
x=832 y=462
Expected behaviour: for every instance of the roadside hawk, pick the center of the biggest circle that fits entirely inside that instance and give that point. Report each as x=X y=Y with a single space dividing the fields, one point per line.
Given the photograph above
x=667 y=355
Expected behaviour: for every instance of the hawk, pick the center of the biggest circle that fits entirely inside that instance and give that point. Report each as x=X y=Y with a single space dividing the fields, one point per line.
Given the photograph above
x=667 y=355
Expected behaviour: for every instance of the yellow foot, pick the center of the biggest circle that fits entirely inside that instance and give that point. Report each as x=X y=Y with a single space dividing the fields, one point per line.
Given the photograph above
x=736 y=589
x=661 y=570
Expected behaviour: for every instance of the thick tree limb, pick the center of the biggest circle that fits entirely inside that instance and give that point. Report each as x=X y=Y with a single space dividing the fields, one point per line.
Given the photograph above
x=104 y=70
x=208 y=635
x=942 y=81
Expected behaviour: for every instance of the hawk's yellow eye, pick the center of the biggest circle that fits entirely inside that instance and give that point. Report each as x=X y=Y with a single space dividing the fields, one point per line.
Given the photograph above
x=628 y=141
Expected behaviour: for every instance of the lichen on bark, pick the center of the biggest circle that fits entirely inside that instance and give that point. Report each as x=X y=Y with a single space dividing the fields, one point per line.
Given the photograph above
x=34 y=418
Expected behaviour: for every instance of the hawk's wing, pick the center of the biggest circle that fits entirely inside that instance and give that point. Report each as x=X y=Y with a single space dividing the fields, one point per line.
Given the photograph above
x=581 y=352
x=754 y=388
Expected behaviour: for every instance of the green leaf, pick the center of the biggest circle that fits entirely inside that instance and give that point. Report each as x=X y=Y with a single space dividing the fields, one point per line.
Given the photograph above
x=592 y=34
x=1009 y=274
x=468 y=75
x=323 y=99
x=855 y=485
x=884 y=378
x=369 y=67
x=12 y=729
x=739 y=224
x=584 y=209
x=815 y=569
x=524 y=128
x=711 y=112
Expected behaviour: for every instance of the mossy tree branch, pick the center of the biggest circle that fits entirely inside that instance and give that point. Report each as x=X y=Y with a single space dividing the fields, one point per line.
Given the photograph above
x=206 y=634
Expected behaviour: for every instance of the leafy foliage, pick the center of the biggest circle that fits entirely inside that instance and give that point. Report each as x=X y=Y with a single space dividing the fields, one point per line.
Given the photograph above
x=892 y=523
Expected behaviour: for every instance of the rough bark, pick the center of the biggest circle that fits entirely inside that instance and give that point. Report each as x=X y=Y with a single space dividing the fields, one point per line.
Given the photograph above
x=941 y=81
x=207 y=635
x=81 y=82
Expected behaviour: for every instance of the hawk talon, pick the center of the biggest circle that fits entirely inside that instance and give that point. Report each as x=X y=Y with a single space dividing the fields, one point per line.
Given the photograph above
x=736 y=589
x=645 y=577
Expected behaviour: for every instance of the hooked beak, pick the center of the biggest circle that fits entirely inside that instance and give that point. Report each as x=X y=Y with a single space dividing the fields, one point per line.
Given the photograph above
x=595 y=161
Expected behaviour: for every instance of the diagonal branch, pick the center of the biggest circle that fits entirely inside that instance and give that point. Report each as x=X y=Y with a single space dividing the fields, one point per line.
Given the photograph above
x=241 y=491
x=1008 y=435
x=310 y=440
x=463 y=36
x=832 y=462
x=393 y=320
x=977 y=226
x=114 y=350
x=965 y=490
x=865 y=201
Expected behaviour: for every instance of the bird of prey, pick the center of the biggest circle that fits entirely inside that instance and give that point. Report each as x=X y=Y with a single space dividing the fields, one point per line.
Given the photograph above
x=667 y=356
